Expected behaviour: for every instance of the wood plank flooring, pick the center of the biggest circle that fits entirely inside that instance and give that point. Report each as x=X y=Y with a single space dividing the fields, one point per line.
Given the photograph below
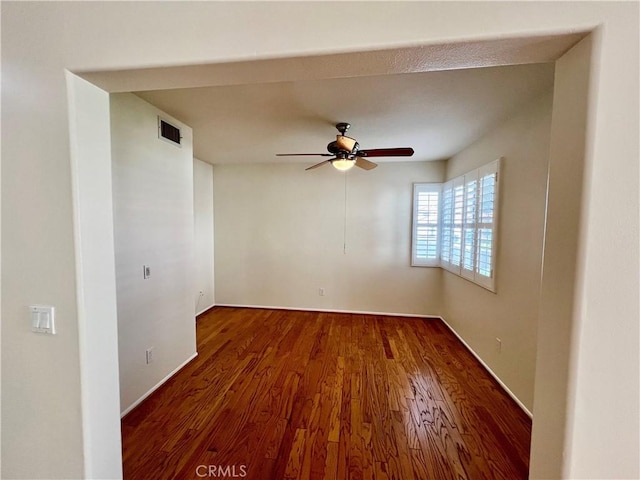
x=277 y=394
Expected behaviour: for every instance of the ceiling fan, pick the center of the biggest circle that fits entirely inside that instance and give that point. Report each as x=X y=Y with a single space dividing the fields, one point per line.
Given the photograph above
x=346 y=152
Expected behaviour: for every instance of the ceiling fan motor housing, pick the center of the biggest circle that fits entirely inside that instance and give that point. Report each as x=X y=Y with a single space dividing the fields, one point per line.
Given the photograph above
x=343 y=146
x=337 y=147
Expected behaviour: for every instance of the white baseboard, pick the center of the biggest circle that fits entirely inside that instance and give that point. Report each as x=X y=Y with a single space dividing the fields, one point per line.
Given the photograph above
x=491 y=372
x=205 y=309
x=158 y=385
x=329 y=310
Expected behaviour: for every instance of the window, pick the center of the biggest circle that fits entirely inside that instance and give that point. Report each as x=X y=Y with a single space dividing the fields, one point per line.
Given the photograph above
x=426 y=213
x=461 y=236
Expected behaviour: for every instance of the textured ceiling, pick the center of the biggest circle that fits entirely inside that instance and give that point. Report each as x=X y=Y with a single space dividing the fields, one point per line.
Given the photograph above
x=436 y=98
x=437 y=112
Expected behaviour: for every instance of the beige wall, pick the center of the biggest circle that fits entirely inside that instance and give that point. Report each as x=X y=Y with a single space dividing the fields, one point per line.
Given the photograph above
x=153 y=225
x=41 y=39
x=203 y=235
x=280 y=234
x=511 y=314
x=605 y=353
x=590 y=345
x=562 y=230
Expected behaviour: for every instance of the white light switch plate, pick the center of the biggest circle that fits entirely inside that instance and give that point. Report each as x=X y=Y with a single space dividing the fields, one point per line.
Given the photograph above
x=43 y=319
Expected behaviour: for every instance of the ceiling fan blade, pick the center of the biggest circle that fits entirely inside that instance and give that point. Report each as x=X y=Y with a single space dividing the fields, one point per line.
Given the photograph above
x=366 y=164
x=319 y=164
x=304 y=155
x=386 y=152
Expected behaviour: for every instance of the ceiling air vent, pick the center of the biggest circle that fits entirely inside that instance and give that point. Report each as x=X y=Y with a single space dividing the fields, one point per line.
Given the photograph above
x=168 y=132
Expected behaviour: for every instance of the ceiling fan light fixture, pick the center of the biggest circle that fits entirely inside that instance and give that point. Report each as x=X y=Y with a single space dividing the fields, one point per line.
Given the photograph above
x=343 y=164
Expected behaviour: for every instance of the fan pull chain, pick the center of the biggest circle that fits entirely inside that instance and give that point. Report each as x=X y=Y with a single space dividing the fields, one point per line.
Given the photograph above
x=344 y=248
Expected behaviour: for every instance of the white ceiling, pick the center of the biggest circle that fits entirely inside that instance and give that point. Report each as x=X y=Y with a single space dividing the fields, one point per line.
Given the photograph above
x=436 y=113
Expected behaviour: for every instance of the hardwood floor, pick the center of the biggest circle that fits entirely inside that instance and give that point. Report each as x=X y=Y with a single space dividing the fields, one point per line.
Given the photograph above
x=278 y=394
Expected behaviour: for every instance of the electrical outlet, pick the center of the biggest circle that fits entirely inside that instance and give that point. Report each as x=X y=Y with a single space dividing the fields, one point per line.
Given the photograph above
x=146 y=271
x=149 y=354
x=321 y=292
x=499 y=345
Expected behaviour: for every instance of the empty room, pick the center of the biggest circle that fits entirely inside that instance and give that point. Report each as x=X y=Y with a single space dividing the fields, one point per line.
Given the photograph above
x=283 y=259
x=288 y=387
x=342 y=366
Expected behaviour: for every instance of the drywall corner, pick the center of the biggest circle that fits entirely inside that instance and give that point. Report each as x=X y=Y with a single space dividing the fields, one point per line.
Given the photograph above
x=204 y=267
x=561 y=246
x=95 y=274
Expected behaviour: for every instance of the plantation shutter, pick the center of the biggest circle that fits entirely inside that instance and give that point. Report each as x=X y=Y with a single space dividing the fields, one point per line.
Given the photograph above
x=469 y=231
x=486 y=224
x=455 y=225
x=447 y=223
x=425 y=249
